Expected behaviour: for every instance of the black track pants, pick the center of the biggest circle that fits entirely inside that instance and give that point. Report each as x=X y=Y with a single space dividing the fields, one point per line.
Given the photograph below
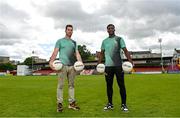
x=109 y=75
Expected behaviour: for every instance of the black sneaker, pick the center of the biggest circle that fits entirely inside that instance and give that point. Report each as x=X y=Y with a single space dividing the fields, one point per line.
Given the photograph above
x=108 y=106
x=124 y=108
x=59 y=107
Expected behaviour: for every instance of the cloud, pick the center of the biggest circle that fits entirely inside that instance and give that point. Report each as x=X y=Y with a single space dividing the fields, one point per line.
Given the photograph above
x=154 y=7
x=12 y=24
x=37 y=24
x=71 y=12
x=6 y=33
x=10 y=13
x=141 y=18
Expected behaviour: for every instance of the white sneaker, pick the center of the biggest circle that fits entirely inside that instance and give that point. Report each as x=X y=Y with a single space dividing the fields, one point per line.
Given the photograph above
x=108 y=106
x=124 y=108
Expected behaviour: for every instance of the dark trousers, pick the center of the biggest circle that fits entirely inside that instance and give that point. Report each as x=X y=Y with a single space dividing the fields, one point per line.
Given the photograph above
x=109 y=75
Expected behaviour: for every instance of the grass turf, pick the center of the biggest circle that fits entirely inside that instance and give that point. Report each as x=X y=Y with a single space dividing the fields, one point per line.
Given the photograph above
x=147 y=96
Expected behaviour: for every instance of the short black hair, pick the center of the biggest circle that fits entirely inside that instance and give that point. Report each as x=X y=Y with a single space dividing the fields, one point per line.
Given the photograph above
x=68 y=26
x=110 y=25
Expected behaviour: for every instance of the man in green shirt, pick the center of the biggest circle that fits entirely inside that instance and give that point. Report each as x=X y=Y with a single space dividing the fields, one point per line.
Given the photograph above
x=111 y=47
x=68 y=54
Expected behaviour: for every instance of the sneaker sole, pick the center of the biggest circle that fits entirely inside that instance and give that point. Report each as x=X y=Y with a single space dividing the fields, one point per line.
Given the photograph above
x=108 y=109
x=73 y=108
x=125 y=110
x=59 y=111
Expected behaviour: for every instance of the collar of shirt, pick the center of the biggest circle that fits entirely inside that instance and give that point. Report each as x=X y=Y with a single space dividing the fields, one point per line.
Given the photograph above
x=111 y=36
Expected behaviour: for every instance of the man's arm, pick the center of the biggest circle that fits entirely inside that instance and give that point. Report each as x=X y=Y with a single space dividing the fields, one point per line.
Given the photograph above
x=53 y=57
x=101 y=56
x=127 y=55
x=78 y=56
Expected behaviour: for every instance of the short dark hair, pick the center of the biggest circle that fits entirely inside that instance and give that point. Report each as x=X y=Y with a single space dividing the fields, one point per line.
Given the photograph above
x=68 y=26
x=110 y=25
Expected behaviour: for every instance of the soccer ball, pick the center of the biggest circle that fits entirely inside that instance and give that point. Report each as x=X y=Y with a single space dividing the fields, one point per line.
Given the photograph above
x=78 y=66
x=100 y=68
x=57 y=65
x=127 y=66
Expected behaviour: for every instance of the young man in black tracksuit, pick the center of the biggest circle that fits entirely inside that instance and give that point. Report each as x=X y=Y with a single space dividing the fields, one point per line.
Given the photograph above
x=110 y=48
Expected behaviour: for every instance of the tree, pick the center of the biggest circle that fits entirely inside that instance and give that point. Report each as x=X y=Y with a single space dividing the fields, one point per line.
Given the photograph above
x=28 y=61
x=85 y=53
x=7 y=66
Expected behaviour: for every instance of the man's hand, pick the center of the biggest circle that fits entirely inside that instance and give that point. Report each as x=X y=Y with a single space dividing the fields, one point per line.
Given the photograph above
x=51 y=65
x=53 y=57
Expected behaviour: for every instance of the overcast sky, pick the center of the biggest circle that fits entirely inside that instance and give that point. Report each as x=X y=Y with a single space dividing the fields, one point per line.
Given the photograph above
x=27 y=25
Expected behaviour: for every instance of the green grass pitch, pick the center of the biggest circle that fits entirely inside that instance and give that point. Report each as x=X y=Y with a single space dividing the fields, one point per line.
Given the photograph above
x=147 y=96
